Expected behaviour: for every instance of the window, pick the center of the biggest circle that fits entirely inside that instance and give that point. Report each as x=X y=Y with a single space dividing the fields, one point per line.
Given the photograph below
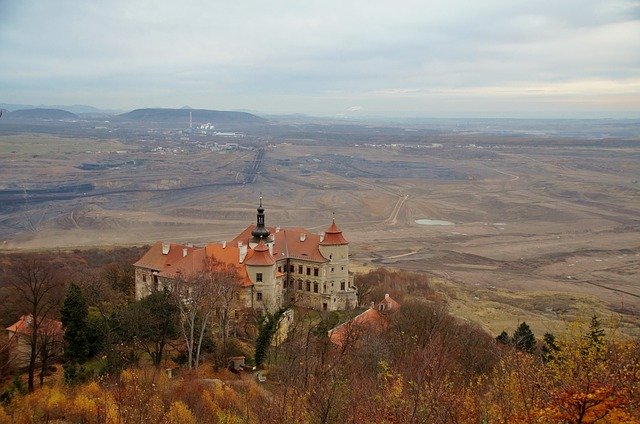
x=324 y=306
x=330 y=257
x=324 y=289
x=258 y=277
x=332 y=269
x=144 y=278
x=342 y=268
x=299 y=269
x=315 y=287
x=291 y=268
x=300 y=285
x=259 y=296
x=342 y=285
x=279 y=269
x=315 y=272
x=308 y=285
x=308 y=270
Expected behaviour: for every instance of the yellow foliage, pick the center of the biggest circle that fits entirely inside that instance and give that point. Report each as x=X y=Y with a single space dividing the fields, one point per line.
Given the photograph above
x=226 y=417
x=85 y=407
x=209 y=402
x=179 y=413
x=4 y=418
x=55 y=399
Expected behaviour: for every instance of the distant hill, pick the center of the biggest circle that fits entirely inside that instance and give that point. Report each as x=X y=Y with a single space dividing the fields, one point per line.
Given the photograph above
x=38 y=113
x=198 y=115
x=78 y=109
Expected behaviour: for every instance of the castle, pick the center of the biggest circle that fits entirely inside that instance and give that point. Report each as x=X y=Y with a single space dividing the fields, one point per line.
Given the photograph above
x=275 y=267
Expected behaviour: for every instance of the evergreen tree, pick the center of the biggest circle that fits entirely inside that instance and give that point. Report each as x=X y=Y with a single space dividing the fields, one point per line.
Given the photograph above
x=523 y=338
x=160 y=323
x=74 y=315
x=268 y=329
x=594 y=339
x=503 y=338
x=549 y=347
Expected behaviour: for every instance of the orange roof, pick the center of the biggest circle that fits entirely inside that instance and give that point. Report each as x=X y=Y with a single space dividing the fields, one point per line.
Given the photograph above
x=287 y=243
x=195 y=261
x=297 y=243
x=369 y=321
x=373 y=320
x=154 y=258
x=333 y=236
x=24 y=326
x=388 y=305
x=261 y=256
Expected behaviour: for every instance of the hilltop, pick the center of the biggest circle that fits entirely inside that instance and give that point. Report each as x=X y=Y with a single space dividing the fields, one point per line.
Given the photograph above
x=182 y=115
x=41 y=113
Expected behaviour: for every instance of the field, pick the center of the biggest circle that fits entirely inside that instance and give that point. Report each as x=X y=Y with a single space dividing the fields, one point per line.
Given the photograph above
x=544 y=227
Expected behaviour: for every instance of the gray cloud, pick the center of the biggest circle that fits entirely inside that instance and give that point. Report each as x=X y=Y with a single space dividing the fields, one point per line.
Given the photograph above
x=402 y=58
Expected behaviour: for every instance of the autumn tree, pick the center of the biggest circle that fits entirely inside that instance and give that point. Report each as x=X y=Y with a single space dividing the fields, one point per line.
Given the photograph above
x=39 y=289
x=227 y=291
x=198 y=297
x=152 y=322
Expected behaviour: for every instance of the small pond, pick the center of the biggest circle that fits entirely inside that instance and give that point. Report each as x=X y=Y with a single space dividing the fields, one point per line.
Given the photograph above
x=433 y=222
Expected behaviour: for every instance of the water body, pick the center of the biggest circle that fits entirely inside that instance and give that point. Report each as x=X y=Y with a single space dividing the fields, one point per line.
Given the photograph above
x=433 y=222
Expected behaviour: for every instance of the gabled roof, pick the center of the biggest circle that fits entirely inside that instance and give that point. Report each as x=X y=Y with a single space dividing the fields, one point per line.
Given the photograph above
x=295 y=243
x=195 y=262
x=156 y=260
x=47 y=326
x=372 y=321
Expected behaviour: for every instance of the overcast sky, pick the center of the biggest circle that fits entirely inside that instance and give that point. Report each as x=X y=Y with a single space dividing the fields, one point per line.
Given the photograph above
x=489 y=58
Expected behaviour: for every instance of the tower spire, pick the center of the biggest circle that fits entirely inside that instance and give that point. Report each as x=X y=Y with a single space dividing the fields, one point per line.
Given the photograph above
x=260 y=232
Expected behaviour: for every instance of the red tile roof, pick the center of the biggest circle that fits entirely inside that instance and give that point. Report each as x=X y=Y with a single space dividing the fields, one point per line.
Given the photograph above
x=261 y=256
x=333 y=236
x=372 y=321
x=196 y=261
x=288 y=243
x=297 y=243
x=154 y=258
x=24 y=326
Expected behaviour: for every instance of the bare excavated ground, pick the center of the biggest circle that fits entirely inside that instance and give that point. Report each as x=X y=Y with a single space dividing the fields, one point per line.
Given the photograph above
x=540 y=231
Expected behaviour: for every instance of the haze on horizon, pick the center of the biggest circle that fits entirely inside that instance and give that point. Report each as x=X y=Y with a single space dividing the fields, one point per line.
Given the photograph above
x=495 y=58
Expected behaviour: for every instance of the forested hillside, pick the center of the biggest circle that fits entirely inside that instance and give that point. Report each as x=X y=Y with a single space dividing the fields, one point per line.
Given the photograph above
x=423 y=366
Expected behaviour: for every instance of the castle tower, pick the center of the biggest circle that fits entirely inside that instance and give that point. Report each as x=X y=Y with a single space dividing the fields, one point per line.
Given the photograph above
x=336 y=248
x=261 y=232
x=267 y=294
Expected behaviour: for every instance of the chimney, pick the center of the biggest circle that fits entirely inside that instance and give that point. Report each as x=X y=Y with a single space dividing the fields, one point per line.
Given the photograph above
x=189 y=244
x=184 y=252
x=321 y=234
x=303 y=236
x=386 y=296
x=278 y=229
x=165 y=248
x=224 y=244
x=373 y=304
x=243 y=251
